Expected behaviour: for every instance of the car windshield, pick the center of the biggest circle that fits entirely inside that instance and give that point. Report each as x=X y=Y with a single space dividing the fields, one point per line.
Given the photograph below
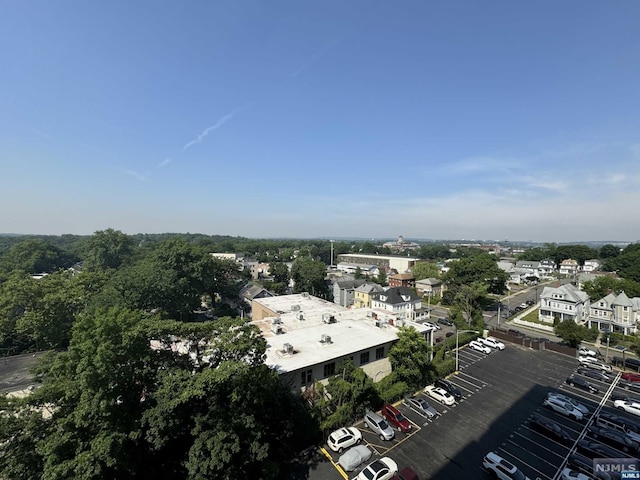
x=383 y=425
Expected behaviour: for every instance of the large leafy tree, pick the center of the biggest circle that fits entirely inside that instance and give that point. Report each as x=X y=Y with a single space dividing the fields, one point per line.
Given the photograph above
x=34 y=256
x=309 y=276
x=481 y=267
x=108 y=249
x=627 y=264
x=148 y=398
x=422 y=270
x=601 y=286
x=571 y=332
x=410 y=359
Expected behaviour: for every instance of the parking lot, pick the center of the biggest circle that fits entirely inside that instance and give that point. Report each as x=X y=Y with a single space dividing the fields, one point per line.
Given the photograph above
x=501 y=392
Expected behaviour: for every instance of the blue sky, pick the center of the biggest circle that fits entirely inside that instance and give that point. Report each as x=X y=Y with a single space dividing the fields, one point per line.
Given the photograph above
x=450 y=119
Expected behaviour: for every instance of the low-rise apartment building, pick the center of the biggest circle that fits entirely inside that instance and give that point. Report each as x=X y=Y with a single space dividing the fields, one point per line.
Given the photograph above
x=616 y=313
x=308 y=338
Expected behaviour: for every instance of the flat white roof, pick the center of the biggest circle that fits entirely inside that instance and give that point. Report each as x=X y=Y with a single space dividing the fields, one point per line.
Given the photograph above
x=385 y=257
x=354 y=330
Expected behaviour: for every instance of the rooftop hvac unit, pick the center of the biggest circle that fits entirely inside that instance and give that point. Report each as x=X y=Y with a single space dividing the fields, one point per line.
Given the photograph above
x=305 y=294
x=378 y=323
x=276 y=321
x=295 y=308
x=300 y=316
x=324 y=338
x=327 y=318
x=287 y=348
x=277 y=329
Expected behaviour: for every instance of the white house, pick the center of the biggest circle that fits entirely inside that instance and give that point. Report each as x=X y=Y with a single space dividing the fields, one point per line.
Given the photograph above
x=616 y=313
x=565 y=302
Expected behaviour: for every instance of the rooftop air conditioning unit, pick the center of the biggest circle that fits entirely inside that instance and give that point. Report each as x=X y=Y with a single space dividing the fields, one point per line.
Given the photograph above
x=305 y=294
x=324 y=338
x=287 y=348
x=277 y=329
x=295 y=308
x=300 y=316
x=378 y=323
x=276 y=321
x=328 y=318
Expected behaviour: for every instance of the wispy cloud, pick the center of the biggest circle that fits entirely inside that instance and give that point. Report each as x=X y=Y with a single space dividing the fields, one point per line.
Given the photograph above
x=164 y=163
x=212 y=128
x=134 y=174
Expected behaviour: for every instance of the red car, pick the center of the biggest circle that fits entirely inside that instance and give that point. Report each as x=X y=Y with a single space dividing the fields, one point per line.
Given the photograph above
x=394 y=417
x=631 y=377
x=405 y=474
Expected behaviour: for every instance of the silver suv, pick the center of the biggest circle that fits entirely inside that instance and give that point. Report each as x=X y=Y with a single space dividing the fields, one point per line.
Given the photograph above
x=565 y=408
x=379 y=425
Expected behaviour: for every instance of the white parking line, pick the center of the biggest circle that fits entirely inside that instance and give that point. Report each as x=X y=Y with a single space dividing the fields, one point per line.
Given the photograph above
x=540 y=444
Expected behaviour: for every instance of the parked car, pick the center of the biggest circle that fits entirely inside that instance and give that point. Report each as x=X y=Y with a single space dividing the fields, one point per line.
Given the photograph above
x=448 y=334
x=569 y=474
x=565 y=398
x=580 y=462
x=620 y=423
x=501 y=468
x=592 y=362
x=581 y=383
x=479 y=347
x=617 y=439
x=405 y=474
x=617 y=396
x=629 y=407
x=595 y=449
x=382 y=469
x=596 y=374
x=354 y=457
x=421 y=406
x=549 y=428
x=562 y=407
x=379 y=425
x=449 y=387
x=431 y=325
x=394 y=417
x=628 y=385
x=631 y=377
x=445 y=321
x=440 y=395
x=344 y=438
x=492 y=342
x=524 y=305
x=586 y=352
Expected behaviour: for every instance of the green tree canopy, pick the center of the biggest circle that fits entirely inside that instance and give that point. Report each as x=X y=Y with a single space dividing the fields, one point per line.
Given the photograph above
x=309 y=276
x=147 y=398
x=422 y=270
x=480 y=267
x=410 y=359
x=108 y=249
x=571 y=332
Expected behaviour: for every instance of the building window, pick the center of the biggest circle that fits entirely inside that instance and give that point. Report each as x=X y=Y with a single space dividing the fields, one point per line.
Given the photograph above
x=364 y=358
x=379 y=353
x=305 y=377
x=329 y=369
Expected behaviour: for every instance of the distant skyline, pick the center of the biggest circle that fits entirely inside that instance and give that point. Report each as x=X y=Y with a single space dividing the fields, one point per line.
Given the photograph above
x=368 y=119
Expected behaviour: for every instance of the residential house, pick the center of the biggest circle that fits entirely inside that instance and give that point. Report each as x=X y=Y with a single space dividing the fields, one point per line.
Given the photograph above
x=429 y=287
x=616 y=313
x=401 y=302
x=401 y=280
x=547 y=267
x=569 y=267
x=362 y=294
x=344 y=291
x=527 y=269
x=565 y=302
x=591 y=266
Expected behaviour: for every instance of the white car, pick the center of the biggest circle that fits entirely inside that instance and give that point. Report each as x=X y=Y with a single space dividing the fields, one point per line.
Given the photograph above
x=593 y=362
x=343 y=438
x=492 y=342
x=569 y=474
x=433 y=326
x=479 y=347
x=382 y=469
x=629 y=407
x=565 y=408
x=440 y=395
x=564 y=398
x=585 y=352
x=502 y=469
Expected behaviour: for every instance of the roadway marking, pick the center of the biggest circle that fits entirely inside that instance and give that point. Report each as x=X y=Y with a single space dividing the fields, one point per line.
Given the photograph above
x=337 y=467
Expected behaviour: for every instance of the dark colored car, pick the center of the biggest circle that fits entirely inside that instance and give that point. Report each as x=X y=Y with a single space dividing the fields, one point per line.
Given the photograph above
x=630 y=363
x=448 y=334
x=625 y=397
x=447 y=386
x=405 y=474
x=631 y=386
x=549 y=428
x=394 y=417
x=595 y=374
x=445 y=321
x=614 y=438
x=581 y=383
x=596 y=449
